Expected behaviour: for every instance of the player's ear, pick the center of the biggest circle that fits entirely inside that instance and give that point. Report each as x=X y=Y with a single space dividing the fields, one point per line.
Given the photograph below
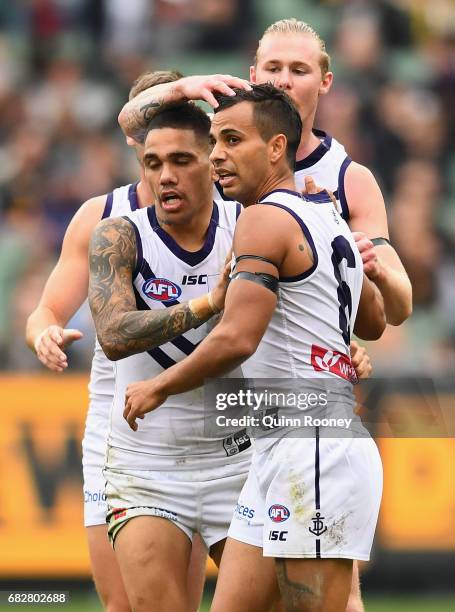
x=130 y=141
x=253 y=74
x=326 y=83
x=277 y=147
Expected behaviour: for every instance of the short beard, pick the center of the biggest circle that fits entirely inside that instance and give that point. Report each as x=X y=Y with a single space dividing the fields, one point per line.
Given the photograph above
x=171 y=222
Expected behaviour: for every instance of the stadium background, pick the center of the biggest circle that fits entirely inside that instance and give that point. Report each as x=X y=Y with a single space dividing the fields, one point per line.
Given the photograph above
x=65 y=70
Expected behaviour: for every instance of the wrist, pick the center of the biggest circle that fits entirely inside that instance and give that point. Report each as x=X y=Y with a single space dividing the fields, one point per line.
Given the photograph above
x=203 y=307
x=37 y=340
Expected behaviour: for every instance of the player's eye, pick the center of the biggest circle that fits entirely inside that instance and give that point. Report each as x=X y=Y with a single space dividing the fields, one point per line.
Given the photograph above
x=273 y=69
x=232 y=140
x=152 y=165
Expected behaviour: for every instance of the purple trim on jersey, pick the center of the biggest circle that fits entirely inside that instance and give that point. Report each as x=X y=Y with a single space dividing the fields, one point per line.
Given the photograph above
x=289 y=191
x=189 y=257
x=238 y=210
x=108 y=206
x=139 y=254
x=221 y=192
x=317 y=198
x=317 y=154
x=308 y=236
x=181 y=342
x=156 y=353
x=341 y=192
x=132 y=196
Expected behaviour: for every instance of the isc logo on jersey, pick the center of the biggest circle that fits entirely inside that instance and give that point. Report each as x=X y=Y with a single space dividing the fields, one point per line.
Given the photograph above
x=161 y=289
x=279 y=513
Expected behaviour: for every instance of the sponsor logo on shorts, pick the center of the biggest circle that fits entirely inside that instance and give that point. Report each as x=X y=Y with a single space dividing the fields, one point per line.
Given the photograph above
x=163 y=513
x=325 y=360
x=236 y=443
x=118 y=513
x=161 y=289
x=278 y=535
x=279 y=513
x=94 y=496
x=318 y=525
x=244 y=512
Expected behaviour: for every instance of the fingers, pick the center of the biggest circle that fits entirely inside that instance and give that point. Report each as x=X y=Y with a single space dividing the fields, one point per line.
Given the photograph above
x=206 y=87
x=48 y=349
x=129 y=414
x=310 y=186
x=360 y=361
x=71 y=335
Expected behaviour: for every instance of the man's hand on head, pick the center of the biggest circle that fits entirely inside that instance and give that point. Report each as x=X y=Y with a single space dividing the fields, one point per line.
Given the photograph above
x=205 y=87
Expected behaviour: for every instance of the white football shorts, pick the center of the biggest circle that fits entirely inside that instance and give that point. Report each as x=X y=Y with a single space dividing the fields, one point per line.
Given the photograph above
x=196 y=501
x=311 y=498
x=94 y=446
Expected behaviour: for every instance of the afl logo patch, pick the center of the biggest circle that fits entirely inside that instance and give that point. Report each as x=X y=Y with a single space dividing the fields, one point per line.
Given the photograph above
x=161 y=289
x=279 y=513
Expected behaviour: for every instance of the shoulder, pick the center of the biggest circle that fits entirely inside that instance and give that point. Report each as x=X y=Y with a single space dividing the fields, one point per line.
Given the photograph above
x=365 y=201
x=81 y=226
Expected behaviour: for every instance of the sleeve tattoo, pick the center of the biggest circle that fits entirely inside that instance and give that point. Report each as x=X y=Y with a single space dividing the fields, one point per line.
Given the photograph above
x=123 y=330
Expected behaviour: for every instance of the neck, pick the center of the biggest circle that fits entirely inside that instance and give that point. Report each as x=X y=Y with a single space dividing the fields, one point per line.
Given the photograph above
x=282 y=180
x=308 y=141
x=189 y=233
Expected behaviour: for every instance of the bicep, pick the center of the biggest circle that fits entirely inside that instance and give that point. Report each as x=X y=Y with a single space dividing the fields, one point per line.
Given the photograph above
x=366 y=205
x=112 y=258
x=248 y=309
x=66 y=287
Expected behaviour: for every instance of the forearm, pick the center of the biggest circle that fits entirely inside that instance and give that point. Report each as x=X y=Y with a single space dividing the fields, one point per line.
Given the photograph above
x=137 y=112
x=396 y=291
x=218 y=354
x=40 y=319
x=137 y=331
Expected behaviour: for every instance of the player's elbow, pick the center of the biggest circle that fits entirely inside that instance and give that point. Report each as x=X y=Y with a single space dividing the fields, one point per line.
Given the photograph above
x=371 y=327
x=401 y=313
x=240 y=346
x=110 y=349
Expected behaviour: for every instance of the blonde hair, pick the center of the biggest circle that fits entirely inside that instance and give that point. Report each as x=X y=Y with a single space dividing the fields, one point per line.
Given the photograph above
x=294 y=26
x=150 y=79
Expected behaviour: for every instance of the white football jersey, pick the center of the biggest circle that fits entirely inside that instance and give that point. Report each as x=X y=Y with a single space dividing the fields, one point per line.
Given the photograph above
x=101 y=386
x=309 y=334
x=327 y=164
x=166 y=274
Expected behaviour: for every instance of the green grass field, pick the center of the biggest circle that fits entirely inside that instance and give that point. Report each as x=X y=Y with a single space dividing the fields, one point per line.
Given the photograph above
x=89 y=603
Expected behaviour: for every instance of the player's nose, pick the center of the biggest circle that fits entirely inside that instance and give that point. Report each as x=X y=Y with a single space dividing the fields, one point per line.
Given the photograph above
x=283 y=79
x=217 y=154
x=167 y=175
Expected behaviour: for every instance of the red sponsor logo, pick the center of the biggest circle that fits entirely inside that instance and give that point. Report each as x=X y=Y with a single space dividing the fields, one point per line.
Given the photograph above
x=118 y=513
x=325 y=360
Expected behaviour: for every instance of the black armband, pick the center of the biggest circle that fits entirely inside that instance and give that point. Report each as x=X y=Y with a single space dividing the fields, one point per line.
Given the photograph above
x=378 y=241
x=261 y=278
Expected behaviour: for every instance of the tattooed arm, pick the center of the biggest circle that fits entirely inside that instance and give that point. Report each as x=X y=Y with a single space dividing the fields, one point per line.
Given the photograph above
x=123 y=330
x=136 y=113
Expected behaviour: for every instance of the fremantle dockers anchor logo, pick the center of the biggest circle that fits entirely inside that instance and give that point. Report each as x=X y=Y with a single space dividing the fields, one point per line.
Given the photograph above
x=318 y=526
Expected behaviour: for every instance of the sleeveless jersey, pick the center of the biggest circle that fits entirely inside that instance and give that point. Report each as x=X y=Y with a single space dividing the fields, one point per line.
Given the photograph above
x=101 y=386
x=327 y=164
x=309 y=334
x=172 y=436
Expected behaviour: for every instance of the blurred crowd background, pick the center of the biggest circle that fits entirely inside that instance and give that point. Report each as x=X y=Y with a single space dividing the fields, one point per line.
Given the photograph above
x=66 y=67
